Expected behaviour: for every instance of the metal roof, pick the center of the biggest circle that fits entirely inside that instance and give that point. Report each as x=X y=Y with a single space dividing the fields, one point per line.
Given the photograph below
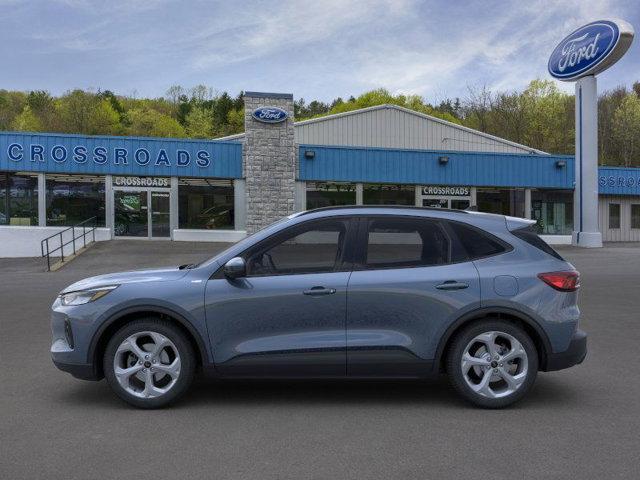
x=392 y=126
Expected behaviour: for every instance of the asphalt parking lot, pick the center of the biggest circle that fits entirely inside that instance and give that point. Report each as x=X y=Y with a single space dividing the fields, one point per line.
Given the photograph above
x=580 y=423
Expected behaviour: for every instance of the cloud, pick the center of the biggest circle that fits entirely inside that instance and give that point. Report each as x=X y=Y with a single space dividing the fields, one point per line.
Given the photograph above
x=318 y=49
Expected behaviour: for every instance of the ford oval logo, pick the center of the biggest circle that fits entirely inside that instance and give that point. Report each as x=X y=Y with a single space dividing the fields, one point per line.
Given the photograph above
x=581 y=52
x=270 y=114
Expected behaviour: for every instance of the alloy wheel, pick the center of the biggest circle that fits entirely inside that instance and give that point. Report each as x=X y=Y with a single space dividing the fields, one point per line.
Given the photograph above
x=147 y=364
x=494 y=364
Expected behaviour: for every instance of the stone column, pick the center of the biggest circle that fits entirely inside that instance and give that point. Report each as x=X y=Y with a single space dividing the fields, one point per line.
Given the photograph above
x=269 y=161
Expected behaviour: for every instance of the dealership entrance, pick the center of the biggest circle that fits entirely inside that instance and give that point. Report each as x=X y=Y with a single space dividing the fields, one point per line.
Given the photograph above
x=141 y=211
x=458 y=198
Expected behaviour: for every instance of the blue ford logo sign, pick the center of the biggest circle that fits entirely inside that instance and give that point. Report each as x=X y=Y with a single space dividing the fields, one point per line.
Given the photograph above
x=270 y=114
x=590 y=49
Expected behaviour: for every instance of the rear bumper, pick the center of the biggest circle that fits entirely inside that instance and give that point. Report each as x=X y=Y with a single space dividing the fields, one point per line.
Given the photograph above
x=573 y=355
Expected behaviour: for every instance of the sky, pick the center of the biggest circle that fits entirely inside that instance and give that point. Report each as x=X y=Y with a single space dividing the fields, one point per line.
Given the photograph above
x=319 y=49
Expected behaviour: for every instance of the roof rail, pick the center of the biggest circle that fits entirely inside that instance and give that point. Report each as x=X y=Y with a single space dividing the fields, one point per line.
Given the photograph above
x=399 y=207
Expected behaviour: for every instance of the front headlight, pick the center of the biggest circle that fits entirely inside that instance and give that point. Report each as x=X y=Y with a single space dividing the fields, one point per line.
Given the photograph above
x=85 y=296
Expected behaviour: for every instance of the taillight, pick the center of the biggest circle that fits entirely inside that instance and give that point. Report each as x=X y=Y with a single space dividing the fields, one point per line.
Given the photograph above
x=563 y=281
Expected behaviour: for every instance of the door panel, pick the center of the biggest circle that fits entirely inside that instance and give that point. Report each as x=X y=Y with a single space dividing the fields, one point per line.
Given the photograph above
x=395 y=318
x=268 y=326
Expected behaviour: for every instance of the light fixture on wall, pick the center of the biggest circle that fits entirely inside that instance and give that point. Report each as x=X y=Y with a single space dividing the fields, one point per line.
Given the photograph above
x=443 y=160
x=561 y=164
x=309 y=154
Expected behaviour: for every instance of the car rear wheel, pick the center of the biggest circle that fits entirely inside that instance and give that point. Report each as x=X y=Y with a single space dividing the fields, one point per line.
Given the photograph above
x=149 y=363
x=492 y=363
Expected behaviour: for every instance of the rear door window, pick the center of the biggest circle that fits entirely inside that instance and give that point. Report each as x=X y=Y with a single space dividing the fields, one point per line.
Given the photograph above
x=401 y=242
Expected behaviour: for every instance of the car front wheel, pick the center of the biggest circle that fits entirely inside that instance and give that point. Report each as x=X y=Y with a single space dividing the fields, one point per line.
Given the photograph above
x=492 y=363
x=149 y=363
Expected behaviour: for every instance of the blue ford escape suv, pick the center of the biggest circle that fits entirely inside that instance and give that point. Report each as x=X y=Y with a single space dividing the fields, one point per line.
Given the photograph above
x=346 y=292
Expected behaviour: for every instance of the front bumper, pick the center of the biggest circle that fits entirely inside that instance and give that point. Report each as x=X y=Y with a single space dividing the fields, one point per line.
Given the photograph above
x=71 y=331
x=573 y=355
x=82 y=371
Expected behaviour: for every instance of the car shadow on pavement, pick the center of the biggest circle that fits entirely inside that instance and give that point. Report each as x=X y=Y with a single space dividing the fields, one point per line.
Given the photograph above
x=547 y=392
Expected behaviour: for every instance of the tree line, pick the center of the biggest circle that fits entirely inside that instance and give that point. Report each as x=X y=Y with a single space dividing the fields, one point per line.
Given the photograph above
x=540 y=116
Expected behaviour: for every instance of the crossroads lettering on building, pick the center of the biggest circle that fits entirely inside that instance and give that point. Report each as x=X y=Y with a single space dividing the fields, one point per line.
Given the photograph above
x=443 y=190
x=141 y=182
x=101 y=155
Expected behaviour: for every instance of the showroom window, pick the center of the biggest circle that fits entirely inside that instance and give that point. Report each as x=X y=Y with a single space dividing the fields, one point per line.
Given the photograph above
x=18 y=199
x=553 y=211
x=330 y=194
x=504 y=201
x=72 y=199
x=635 y=215
x=614 y=215
x=205 y=204
x=379 y=194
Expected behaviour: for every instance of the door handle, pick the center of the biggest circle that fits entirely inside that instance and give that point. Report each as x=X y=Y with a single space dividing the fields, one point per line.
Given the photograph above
x=452 y=285
x=318 y=291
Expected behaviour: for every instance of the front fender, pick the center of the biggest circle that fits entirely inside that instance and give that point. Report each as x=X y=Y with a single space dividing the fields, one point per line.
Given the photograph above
x=197 y=329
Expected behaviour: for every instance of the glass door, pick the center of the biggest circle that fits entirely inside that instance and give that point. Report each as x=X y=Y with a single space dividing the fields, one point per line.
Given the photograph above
x=435 y=202
x=131 y=214
x=160 y=225
x=458 y=204
x=446 y=202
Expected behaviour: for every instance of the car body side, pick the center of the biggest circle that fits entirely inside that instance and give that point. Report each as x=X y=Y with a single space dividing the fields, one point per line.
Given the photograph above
x=503 y=285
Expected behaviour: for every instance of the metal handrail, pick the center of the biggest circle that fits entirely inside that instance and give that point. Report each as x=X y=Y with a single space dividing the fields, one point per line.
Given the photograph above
x=86 y=230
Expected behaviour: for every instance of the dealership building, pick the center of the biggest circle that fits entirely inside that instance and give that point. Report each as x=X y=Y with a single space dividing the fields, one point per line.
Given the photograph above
x=224 y=189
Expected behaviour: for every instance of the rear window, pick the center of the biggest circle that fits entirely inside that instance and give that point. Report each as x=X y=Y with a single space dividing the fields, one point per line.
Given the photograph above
x=476 y=243
x=529 y=235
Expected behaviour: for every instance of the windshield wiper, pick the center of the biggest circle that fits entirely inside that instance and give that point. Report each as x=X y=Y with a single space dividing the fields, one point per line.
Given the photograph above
x=187 y=266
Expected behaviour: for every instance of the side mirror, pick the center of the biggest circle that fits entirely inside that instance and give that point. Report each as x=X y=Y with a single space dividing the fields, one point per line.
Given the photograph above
x=235 y=268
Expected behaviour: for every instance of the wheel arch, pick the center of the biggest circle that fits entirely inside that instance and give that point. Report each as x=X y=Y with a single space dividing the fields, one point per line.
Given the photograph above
x=530 y=325
x=117 y=320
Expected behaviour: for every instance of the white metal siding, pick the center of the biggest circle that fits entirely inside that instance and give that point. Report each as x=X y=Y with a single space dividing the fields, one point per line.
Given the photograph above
x=625 y=233
x=395 y=128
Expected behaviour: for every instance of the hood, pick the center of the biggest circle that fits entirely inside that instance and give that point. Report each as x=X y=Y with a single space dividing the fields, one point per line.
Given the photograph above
x=120 y=278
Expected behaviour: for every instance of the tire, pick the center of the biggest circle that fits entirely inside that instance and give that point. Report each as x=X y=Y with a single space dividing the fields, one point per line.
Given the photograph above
x=149 y=363
x=512 y=369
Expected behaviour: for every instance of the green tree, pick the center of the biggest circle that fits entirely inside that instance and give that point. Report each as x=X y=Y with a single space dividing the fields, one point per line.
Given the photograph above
x=27 y=121
x=626 y=129
x=104 y=120
x=11 y=105
x=147 y=122
x=199 y=124
x=75 y=109
x=546 y=107
x=235 y=121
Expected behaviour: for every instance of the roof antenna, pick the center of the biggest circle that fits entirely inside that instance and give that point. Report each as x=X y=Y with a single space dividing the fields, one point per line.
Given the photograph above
x=471 y=208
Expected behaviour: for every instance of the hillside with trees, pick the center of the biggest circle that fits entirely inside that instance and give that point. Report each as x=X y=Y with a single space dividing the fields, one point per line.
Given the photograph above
x=540 y=116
